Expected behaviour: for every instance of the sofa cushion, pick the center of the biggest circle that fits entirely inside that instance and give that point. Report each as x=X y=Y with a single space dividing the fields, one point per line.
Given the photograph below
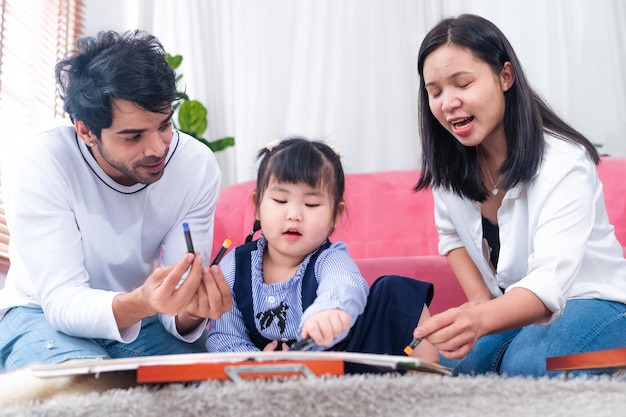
x=384 y=216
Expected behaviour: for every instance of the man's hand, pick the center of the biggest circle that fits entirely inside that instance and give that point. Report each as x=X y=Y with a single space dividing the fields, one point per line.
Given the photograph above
x=202 y=294
x=325 y=326
x=212 y=299
x=160 y=293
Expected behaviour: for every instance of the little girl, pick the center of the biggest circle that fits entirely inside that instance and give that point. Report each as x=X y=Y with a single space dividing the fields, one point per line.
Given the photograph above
x=293 y=283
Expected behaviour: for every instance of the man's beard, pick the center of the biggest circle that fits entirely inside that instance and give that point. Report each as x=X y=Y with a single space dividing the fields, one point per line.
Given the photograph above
x=132 y=174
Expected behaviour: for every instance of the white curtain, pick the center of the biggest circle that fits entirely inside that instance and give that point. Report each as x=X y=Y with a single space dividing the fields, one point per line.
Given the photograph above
x=345 y=70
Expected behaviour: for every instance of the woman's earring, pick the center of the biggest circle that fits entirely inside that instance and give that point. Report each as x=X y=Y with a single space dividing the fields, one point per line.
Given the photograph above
x=90 y=144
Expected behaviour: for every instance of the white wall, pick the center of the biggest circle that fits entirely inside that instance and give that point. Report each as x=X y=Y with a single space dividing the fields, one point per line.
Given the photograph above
x=118 y=15
x=122 y=15
x=569 y=49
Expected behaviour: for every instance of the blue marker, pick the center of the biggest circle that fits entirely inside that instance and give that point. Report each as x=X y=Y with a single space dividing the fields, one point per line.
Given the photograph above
x=188 y=238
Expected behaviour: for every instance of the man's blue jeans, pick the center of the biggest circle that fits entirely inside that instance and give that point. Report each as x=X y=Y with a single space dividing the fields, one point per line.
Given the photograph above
x=26 y=338
x=585 y=325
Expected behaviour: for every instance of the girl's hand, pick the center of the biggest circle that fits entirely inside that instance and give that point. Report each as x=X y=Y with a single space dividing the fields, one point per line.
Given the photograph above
x=325 y=326
x=273 y=345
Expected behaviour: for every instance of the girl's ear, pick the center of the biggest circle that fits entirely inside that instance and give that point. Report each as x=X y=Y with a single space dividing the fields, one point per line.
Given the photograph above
x=254 y=199
x=341 y=208
x=507 y=76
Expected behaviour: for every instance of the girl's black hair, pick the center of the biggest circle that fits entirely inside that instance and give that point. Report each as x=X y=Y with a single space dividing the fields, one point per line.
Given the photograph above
x=299 y=160
x=129 y=66
x=447 y=163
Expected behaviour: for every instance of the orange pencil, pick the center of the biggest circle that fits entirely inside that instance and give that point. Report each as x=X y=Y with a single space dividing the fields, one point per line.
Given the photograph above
x=409 y=349
x=221 y=252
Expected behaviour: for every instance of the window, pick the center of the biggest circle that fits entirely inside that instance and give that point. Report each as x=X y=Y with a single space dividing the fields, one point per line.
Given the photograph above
x=34 y=35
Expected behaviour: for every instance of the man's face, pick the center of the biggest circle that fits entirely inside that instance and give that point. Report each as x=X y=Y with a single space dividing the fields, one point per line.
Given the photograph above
x=133 y=149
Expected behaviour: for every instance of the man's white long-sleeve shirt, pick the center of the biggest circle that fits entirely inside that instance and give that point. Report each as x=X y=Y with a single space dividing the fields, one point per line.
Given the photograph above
x=78 y=238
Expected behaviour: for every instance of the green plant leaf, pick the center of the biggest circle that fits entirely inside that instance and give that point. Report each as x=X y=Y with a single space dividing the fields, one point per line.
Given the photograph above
x=219 y=144
x=192 y=115
x=192 y=118
x=173 y=61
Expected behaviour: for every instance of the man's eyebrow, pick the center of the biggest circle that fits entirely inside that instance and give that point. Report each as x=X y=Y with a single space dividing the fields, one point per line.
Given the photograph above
x=136 y=131
x=129 y=131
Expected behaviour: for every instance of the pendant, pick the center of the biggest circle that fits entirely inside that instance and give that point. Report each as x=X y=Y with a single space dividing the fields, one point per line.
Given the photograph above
x=495 y=191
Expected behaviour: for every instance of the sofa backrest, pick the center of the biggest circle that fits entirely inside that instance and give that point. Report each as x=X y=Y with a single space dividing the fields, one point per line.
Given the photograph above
x=383 y=218
x=386 y=218
x=612 y=172
x=389 y=229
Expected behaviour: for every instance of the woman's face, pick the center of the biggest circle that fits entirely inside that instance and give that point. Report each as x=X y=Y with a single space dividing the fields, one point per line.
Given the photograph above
x=465 y=95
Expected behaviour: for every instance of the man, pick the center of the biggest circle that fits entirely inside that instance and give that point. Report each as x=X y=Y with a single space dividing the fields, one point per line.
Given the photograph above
x=99 y=266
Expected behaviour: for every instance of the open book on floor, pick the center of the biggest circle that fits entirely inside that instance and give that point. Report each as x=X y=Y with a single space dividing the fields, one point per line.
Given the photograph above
x=236 y=366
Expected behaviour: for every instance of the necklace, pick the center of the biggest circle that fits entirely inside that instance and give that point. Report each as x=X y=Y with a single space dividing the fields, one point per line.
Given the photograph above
x=495 y=188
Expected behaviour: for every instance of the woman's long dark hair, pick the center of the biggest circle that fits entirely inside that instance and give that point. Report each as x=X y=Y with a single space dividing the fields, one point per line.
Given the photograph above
x=447 y=163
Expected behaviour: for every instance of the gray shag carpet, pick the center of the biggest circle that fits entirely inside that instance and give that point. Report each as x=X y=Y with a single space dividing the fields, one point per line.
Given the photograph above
x=414 y=394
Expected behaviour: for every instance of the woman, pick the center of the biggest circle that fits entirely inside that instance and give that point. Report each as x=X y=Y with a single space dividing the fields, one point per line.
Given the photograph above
x=519 y=209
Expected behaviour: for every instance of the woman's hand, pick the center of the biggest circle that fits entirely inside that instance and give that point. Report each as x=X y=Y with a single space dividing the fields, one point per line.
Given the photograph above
x=325 y=326
x=453 y=332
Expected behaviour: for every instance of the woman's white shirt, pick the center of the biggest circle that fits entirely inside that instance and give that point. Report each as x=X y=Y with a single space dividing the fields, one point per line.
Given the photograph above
x=555 y=236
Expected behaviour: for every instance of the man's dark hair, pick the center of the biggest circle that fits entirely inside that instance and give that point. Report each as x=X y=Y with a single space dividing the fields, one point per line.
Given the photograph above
x=129 y=66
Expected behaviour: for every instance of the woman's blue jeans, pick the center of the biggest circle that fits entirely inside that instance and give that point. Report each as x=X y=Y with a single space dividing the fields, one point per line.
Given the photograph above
x=27 y=338
x=586 y=325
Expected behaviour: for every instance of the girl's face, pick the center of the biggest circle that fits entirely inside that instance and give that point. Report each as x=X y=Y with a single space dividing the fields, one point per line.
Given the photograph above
x=296 y=218
x=465 y=95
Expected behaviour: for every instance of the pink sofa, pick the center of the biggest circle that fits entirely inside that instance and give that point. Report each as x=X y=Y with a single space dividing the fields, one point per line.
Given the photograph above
x=389 y=229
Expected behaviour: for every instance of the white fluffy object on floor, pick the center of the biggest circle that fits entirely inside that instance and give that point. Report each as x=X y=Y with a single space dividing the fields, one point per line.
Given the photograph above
x=20 y=386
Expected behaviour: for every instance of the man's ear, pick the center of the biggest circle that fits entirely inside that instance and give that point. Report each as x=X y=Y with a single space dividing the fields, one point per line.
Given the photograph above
x=84 y=133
